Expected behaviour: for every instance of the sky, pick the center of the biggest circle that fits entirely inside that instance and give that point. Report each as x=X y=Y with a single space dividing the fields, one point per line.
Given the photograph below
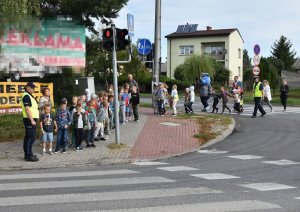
x=259 y=21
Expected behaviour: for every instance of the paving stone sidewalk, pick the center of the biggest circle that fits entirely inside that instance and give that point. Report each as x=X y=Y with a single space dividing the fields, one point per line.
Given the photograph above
x=151 y=138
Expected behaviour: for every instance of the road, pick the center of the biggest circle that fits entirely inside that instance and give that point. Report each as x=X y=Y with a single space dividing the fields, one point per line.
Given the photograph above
x=254 y=169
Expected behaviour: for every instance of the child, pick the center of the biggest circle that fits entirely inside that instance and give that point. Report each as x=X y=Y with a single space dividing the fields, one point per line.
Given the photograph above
x=122 y=105
x=216 y=98
x=135 y=101
x=90 y=116
x=236 y=98
x=63 y=120
x=154 y=99
x=224 y=96
x=186 y=100
x=126 y=97
x=192 y=99
x=101 y=118
x=46 y=122
x=74 y=103
x=78 y=123
x=161 y=94
x=71 y=110
x=174 y=98
x=111 y=112
x=83 y=98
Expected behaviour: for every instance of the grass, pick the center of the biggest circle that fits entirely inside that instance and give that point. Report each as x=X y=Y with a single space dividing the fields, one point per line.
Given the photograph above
x=12 y=127
x=209 y=126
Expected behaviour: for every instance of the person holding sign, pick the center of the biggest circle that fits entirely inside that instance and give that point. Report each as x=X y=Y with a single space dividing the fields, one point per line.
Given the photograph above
x=30 y=113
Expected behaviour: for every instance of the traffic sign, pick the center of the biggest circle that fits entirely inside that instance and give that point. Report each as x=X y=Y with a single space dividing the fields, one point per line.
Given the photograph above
x=256 y=49
x=144 y=46
x=256 y=60
x=256 y=70
x=130 y=24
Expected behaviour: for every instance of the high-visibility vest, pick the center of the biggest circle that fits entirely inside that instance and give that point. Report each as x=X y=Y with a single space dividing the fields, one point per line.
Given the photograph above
x=257 y=92
x=33 y=109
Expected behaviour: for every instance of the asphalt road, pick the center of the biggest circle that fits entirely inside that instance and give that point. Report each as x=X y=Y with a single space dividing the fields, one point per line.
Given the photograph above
x=254 y=169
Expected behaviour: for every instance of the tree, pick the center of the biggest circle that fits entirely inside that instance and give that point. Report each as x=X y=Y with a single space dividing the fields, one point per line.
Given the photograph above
x=84 y=11
x=195 y=65
x=179 y=72
x=281 y=50
x=19 y=7
x=246 y=60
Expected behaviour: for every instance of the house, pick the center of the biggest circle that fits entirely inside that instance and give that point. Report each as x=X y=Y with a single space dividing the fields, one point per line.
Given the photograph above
x=225 y=45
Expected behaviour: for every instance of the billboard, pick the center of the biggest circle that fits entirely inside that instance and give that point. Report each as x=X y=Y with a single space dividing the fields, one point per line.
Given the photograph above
x=11 y=95
x=43 y=43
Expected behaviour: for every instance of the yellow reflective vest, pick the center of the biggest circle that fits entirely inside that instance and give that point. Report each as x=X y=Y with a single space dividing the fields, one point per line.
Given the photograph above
x=34 y=109
x=257 y=92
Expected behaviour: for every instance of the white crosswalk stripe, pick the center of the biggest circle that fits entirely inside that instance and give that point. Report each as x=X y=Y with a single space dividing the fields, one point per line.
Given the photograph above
x=267 y=186
x=245 y=157
x=149 y=163
x=30 y=192
x=212 y=151
x=281 y=162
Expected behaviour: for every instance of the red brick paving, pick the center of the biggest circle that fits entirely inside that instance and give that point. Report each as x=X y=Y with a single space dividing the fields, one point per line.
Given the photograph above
x=159 y=141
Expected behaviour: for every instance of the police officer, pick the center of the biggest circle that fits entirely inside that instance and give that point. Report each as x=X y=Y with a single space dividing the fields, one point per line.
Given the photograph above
x=30 y=114
x=257 y=91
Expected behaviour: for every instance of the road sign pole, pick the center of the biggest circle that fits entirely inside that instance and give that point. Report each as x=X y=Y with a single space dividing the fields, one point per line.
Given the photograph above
x=157 y=40
x=116 y=95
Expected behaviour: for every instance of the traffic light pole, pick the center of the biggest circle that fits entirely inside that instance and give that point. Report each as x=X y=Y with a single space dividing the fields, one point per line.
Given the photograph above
x=157 y=42
x=115 y=78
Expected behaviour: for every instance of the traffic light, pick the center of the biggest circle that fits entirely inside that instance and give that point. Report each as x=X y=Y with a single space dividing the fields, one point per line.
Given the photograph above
x=121 y=41
x=108 y=43
x=150 y=57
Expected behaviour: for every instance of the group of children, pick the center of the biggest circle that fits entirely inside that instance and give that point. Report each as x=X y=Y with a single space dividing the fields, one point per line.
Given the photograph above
x=236 y=94
x=90 y=120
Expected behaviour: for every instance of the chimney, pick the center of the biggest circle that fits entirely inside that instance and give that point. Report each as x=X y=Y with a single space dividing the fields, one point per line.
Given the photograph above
x=208 y=28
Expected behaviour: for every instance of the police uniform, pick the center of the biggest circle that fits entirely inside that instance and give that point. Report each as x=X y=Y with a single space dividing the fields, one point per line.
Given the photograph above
x=257 y=88
x=30 y=130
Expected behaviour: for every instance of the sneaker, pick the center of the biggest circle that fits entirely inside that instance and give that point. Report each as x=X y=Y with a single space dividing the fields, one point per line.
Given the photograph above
x=103 y=139
x=88 y=145
x=64 y=151
x=50 y=153
x=93 y=145
x=253 y=117
x=43 y=152
x=79 y=149
x=262 y=115
x=96 y=139
x=138 y=120
x=56 y=151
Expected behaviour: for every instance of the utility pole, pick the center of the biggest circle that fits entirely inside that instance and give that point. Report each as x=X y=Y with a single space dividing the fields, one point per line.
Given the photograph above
x=157 y=41
x=115 y=78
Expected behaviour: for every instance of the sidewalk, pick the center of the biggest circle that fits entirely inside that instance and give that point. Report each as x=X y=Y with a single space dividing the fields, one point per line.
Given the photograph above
x=151 y=139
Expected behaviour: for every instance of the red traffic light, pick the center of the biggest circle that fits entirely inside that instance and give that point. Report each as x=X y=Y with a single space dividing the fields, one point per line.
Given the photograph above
x=121 y=33
x=108 y=33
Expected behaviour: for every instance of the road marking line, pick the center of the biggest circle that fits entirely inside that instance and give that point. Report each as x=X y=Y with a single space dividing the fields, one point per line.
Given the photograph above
x=245 y=157
x=177 y=168
x=215 y=176
x=266 y=186
x=281 y=162
x=170 y=124
x=83 y=183
x=66 y=174
x=245 y=205
x=105 y=196
x=212 y=151
x=149 y=163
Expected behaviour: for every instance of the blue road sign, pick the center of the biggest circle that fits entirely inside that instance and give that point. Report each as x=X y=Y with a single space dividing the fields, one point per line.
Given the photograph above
x=256 y=49
x=144 y=46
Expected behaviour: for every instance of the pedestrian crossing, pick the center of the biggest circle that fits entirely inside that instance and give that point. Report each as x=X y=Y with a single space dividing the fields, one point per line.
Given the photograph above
x=111 y=190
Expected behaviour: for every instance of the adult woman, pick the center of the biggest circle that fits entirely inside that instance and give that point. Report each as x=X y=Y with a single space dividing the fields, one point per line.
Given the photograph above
x=267 y=94
x=284 y=90
x=174 y=99
x=45 y=99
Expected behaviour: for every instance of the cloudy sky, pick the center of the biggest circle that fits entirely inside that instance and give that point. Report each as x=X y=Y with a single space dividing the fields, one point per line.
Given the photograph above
x=259 y=21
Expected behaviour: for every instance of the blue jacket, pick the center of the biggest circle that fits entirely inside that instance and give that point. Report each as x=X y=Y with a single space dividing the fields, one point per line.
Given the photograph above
x=63 y=118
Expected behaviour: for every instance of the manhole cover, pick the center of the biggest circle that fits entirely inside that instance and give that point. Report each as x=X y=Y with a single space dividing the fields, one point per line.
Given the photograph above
x=171 y=124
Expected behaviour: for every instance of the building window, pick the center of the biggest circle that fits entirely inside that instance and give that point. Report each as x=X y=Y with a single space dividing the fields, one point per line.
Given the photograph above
x=239 y=71
x=186 y=50
x=240 y=53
